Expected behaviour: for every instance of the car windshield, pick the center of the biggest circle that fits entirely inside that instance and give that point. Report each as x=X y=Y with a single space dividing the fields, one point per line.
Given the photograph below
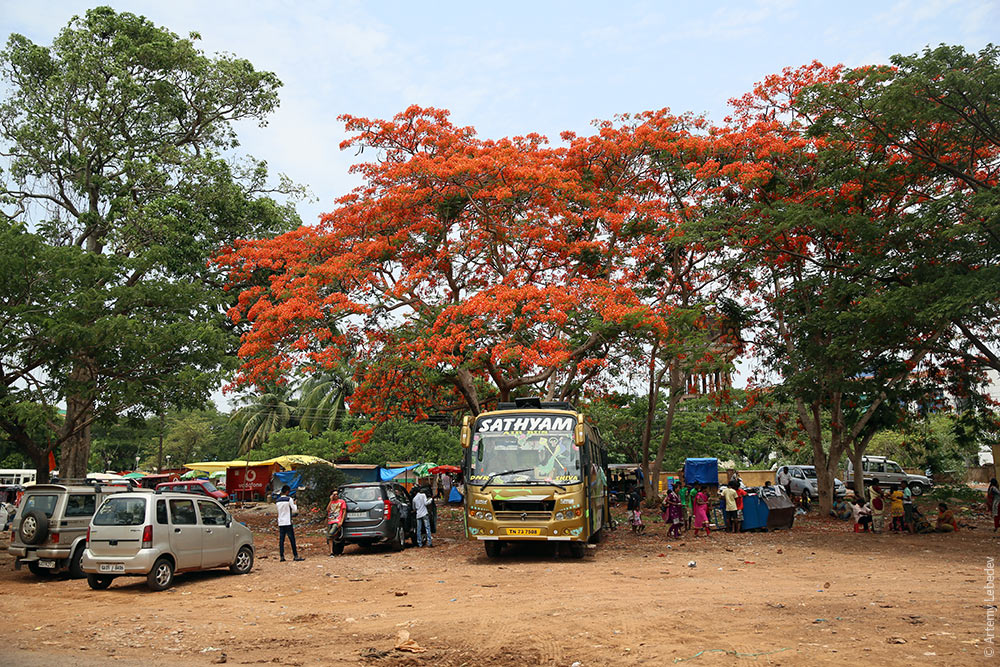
x=809 y=472
x=525 y=449
x=121 y=512
x=361 y=494
x=43 y=503
x=209 y=486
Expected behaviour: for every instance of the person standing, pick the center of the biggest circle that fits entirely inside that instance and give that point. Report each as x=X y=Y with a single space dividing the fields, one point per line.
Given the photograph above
x=336 y=510
x=423 y=519
x=993 y=502
x=701 y=511
x=728 y=493
x=286 y=508
x=897 y=511
x=785 y=480
x=674 y=514
x=446 y=487
x=907 y=507
x=683 y=493
x=878 y=508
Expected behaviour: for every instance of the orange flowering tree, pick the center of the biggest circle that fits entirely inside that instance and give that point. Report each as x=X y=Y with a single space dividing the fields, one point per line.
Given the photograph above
x=461 y=271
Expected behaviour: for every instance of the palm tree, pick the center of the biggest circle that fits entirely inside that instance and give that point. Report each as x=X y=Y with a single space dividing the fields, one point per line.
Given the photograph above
x=321 y=400
x=263 y=415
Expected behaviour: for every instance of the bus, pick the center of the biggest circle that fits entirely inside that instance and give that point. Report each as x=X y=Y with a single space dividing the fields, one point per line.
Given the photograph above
x=534 y=471
x=17 y=476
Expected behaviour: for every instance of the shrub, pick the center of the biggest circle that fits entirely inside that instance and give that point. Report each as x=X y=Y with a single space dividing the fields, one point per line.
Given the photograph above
x=318 y=481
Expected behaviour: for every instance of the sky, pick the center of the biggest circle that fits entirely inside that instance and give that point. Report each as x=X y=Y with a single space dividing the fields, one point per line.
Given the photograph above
x=516 y=67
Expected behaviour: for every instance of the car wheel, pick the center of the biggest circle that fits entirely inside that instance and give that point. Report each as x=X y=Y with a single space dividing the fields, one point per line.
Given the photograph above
x=917 y=489
x=98 y=582
x=161 y=576
x=493 y=548
x=244 y=561
x=399 y=542
x=39 y=571
x=76 y=563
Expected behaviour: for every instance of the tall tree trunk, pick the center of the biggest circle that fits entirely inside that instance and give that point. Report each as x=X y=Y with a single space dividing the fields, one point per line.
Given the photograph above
x=79 y=415
x=676 y=390
x=857 y=453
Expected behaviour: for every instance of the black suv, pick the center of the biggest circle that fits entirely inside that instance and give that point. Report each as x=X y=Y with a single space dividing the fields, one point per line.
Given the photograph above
x=377 y=512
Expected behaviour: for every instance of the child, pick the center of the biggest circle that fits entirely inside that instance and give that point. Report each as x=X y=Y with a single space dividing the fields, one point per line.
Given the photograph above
x=634 y=511
x=896 y=509
x=862 y=514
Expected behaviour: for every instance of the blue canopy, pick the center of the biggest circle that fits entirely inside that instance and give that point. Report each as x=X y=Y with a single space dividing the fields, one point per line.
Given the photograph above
x=290 y=477
x=701 y=471
x=388 y=473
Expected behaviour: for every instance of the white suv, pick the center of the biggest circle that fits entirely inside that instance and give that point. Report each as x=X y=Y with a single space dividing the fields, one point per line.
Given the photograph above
x=156 y=535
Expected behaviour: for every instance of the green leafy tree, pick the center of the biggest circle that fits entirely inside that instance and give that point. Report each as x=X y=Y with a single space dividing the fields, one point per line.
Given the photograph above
x=115 y=140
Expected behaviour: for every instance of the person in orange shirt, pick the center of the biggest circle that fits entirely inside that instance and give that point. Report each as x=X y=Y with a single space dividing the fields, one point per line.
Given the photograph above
x=945 y=520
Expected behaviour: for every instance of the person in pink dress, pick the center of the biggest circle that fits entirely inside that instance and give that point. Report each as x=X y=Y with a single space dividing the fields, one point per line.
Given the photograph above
x=701 y=511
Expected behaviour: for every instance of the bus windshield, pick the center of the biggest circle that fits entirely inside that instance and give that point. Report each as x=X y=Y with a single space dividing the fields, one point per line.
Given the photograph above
x=531 y=448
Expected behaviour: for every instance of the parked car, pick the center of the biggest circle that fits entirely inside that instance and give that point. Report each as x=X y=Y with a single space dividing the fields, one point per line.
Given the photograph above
x=49 y=531
x=157 y=535
x=199 y=486
x=804 y=482
x=888 y=473
x=376 y=512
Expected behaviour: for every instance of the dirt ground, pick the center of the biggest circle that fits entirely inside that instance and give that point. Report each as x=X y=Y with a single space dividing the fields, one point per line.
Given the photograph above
x=818 y=594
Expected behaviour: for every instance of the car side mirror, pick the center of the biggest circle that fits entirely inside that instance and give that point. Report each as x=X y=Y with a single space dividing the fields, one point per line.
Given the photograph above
x=229 y=520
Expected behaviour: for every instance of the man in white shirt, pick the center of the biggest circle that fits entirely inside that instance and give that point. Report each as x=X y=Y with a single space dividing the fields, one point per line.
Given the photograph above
x=785 y=481
x=286 y=507
x=423 y=519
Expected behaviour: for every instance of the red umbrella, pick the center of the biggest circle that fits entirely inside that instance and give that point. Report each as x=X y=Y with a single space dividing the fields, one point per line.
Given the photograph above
x=438 y=470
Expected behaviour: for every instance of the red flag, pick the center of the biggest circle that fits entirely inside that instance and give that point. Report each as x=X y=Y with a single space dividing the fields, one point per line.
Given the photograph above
x=52 y=461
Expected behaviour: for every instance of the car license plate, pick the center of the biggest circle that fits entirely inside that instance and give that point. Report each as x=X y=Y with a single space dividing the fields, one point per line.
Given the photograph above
x=524 y=531
x=111 y=567
x=357 y=515
x=47 y=564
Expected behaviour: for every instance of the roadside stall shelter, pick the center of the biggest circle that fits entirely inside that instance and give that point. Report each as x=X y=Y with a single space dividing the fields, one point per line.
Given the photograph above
x=251 y=480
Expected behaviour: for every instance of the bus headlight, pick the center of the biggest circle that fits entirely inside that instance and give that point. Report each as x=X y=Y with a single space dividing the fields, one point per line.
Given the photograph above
x=559 y=516
x=489 y=516
x=479 y=515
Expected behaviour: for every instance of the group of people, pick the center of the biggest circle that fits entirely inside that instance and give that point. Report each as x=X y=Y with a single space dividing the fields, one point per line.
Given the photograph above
x=682 y=506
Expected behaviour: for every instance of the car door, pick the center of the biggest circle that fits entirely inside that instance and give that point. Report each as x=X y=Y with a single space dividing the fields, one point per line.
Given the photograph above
x=798 y=481
x=402 y=503
x=894 y=474
x=217 y=539
x=185 y=534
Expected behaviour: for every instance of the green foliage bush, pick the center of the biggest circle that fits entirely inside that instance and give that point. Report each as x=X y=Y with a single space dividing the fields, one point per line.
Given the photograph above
x=318 y=481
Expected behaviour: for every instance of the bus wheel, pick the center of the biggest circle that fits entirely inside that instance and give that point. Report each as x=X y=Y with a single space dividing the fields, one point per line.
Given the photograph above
x=577 y=549
x=493 y=548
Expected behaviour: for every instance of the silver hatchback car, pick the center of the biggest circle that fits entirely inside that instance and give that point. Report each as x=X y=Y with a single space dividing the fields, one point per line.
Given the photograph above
x=157 y=535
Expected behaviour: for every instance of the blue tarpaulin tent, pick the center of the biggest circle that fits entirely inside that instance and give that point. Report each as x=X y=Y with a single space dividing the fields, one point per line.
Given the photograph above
x=701 y=471
x=290 y=477
x=388 y=473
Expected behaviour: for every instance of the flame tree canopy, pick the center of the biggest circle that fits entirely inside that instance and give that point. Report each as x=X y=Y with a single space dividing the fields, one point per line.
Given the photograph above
x=464 y=269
